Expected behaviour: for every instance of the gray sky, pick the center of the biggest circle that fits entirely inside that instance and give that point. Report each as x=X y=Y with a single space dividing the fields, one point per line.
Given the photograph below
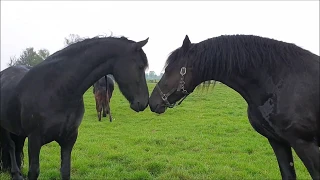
x=45 y=24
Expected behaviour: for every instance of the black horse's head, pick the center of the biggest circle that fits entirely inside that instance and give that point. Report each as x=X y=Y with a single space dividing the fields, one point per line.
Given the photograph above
x=129 y=73
x=177 y=81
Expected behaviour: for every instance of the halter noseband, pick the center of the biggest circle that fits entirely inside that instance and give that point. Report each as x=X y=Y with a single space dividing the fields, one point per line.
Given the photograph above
x=164 y=97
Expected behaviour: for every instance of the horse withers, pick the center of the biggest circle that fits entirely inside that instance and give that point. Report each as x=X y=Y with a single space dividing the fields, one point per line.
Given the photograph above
x=46 y=104
x=102 y=90
x=278 y=80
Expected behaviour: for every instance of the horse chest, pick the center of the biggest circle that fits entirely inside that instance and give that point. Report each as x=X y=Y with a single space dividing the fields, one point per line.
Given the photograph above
x=72 y=120
x=267 y=109
x=261 y=119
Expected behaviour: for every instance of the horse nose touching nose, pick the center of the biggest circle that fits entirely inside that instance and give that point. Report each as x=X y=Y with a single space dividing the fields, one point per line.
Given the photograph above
x=142 y=106
x=139 y=106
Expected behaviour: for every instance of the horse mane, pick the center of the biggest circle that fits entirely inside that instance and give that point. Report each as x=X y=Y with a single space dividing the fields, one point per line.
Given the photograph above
x=236 y=53
x=86 y=43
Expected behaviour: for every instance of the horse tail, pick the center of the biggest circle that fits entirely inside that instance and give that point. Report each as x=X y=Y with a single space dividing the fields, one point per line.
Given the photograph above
x=5 y=161
x=105 y=97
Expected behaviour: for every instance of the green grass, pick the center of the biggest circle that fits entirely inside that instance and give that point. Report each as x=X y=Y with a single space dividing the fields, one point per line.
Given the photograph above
x=207 y=137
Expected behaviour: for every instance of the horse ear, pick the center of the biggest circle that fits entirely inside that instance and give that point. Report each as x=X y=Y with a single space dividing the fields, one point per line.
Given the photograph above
x=138 y=45
x=186 y=43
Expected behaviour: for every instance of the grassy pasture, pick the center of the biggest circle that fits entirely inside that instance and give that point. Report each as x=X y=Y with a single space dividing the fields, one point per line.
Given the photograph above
x=207 y=137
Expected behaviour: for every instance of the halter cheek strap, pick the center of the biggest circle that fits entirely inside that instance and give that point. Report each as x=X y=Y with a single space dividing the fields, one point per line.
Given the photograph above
x=164 y=97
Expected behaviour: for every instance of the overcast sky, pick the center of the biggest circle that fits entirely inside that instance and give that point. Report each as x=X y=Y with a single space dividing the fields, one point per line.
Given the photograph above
x=45 y=24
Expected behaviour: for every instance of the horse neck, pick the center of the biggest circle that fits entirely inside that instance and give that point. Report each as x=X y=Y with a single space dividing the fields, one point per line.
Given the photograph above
x=86 y=68
x=254 y=85
x=249 y=88
x=85 y=82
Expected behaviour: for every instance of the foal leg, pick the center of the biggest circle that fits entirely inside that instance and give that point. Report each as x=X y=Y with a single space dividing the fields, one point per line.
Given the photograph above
x=108 y=106
x=15 y=171
x=308 y=152
x=110 y=117
x=34 y=146
x=104 y=103
x=109 y=112
x=104 y=110
x=66 y=148
x=285 y=161
x=98 y=108
x=99 y=115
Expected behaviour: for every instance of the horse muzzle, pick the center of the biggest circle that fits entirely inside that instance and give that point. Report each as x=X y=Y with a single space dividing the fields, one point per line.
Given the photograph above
x=138 y=106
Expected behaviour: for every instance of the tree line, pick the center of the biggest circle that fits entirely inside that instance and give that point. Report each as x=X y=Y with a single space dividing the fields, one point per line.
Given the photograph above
x=153 y=76
x=31 y=57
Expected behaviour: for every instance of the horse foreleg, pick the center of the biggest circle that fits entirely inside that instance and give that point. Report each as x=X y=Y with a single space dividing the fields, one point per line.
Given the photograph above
x=19 y=143
x=285 y=160
x=34 y=146
x=66 y=148
x=308 y=152
x=15 y=171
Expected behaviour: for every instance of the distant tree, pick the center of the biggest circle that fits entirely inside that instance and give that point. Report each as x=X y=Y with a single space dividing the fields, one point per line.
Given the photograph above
x=43 y=53
x=29 y=57
x=147 y=75
x=73 y=38
x=152 y=75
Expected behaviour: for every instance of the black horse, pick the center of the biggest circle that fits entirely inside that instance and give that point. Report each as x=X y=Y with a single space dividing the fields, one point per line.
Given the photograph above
x=278 y=80
x=5 y=161
x=102 y=90
x=45 y=103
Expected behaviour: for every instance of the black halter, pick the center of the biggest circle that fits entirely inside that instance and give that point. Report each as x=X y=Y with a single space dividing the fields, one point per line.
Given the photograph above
x=164 y=97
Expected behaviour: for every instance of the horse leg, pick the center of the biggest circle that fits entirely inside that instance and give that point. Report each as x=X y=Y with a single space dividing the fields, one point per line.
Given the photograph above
x=19 y=143
x=282 y=151
x=109 y=112
x=110 y=117
x=34 y=146
x=104 y=109
x=104 y=101
x=98 y=108
x=66 y=148
x=15 y=171
x=285 y=160
x=108 y=106
x=99 y=115
x=308 y=152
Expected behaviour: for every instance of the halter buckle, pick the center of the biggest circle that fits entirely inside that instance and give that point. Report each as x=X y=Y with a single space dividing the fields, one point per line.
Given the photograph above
x=183 y=71
x=164 y=97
